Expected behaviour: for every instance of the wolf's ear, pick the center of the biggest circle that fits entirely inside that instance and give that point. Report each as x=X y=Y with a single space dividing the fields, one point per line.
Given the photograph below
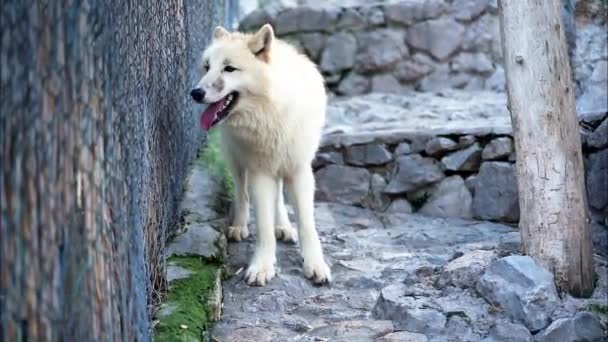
x=219 y=32
x=261 y=42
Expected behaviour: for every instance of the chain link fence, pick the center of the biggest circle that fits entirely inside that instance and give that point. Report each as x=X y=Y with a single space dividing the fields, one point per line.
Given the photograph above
x=97 y=133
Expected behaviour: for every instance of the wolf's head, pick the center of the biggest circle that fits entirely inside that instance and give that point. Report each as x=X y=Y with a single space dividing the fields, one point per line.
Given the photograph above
x=235 y=73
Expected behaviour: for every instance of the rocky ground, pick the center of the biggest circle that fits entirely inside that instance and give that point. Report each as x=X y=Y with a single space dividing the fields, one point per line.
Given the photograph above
x=400 y=277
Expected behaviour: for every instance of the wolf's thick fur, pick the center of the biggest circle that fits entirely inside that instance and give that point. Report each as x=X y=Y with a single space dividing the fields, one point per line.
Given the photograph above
x=269 y=138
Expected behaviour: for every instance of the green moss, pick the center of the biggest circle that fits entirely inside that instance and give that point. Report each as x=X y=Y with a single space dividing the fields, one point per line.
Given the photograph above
x=211 y=158
x=600 y=310
x=187 y=316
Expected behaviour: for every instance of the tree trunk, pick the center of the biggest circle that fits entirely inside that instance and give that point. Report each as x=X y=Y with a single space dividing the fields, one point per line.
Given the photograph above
x=554 y=219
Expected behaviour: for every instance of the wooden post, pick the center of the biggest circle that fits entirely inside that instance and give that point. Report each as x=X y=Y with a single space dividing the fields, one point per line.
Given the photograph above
x=554 y=218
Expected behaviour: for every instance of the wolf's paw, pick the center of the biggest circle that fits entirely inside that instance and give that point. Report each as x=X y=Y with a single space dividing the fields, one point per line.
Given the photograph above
x=237 y=233
x=317 y=270
x=286 y=233
x=260 y=271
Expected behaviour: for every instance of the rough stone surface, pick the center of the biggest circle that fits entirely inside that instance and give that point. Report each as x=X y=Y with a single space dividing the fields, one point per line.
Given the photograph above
x=354 y=84
x=326 y=158
x=351 y=19
x=525 y=291
x=408 y=313
x=597 y=180
x=379 y=201
x=470 y=183
x=305 y=19
x=313 y=44
x=472 y=62
x=402 y=336
x=438 y=146
x=509 y=332
x=387 y=83
x=403 y=149
x=468 y=9
x=599 y=137
x=440 y=37
x=199 y=239
x=499 y=148
x=413 y=172
x=584 y=326
x=410 y=12
x=463 y=160
x=380 y=49
x=498 y=80
x=496 y=193
x=414 y=68
x=466 y=141
x=393 y=118
x=451 y=198
x=400 y=206
x=343 y=184
x=464 y=271
x=339 y=53
x=369 y=154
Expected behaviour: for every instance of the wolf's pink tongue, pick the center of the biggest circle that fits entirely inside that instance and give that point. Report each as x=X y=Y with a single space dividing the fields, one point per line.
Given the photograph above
x=210 y=114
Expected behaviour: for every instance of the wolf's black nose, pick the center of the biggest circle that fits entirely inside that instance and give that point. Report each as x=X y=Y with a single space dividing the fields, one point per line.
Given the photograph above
x=197 y=95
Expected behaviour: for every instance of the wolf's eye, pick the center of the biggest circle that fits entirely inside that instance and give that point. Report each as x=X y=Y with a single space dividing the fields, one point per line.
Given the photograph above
x=229 y=68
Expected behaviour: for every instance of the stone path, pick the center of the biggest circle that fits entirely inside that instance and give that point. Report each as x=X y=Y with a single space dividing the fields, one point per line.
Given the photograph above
x=390 y=283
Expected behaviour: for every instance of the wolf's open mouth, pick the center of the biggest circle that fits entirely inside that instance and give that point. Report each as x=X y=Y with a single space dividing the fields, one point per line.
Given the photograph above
x=218 y=111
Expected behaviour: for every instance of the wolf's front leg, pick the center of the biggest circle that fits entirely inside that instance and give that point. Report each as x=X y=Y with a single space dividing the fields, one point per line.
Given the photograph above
x=282 y=227
x=301 y=191
x=264 y=195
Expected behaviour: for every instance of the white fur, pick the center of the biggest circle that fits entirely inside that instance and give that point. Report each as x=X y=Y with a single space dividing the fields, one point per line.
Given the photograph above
x=270 y=138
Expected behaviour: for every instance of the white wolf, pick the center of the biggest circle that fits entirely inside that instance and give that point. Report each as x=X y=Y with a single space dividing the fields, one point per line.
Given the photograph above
x=269 y=103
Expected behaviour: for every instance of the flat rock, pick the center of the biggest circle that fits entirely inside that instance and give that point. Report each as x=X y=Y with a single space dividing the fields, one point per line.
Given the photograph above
x=199 y=239
x=339 y=53
x=496 y=193
x=473 y=62
x=584 y=326
x=499 y=148
x=200 y=196
x=394 y=118
x=369 y=154
x=357 y=330
x=525 y=291
x=305 y=19
x=313 y=44
x=387 y=83
x=342 y=184
x=379 y=201
x=463 y=160
x=410 y=313
x=440 y=37
x=415 y=67
x=451 y=198
x=413 y=172
x=439 y=145
x=464 y=271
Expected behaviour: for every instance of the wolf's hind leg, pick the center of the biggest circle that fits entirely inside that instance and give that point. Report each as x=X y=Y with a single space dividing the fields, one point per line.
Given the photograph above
x=301 y=191
x=282 y=227
x=238 y=231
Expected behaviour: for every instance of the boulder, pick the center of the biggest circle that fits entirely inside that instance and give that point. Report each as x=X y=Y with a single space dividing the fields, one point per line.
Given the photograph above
x=496 y=193
x=339 y=53
x=463 y=160
x=524 y=291
x=342 y=184
x=440 y=37
x=499 y=148
x=369 y=154
x=408 y=312
x=451 y=198
x=584 y=326
x=463 y=272
x=413 y=172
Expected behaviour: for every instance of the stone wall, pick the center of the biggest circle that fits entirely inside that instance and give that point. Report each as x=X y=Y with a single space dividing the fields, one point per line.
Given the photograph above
x=449 y=155
x=426 y=45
